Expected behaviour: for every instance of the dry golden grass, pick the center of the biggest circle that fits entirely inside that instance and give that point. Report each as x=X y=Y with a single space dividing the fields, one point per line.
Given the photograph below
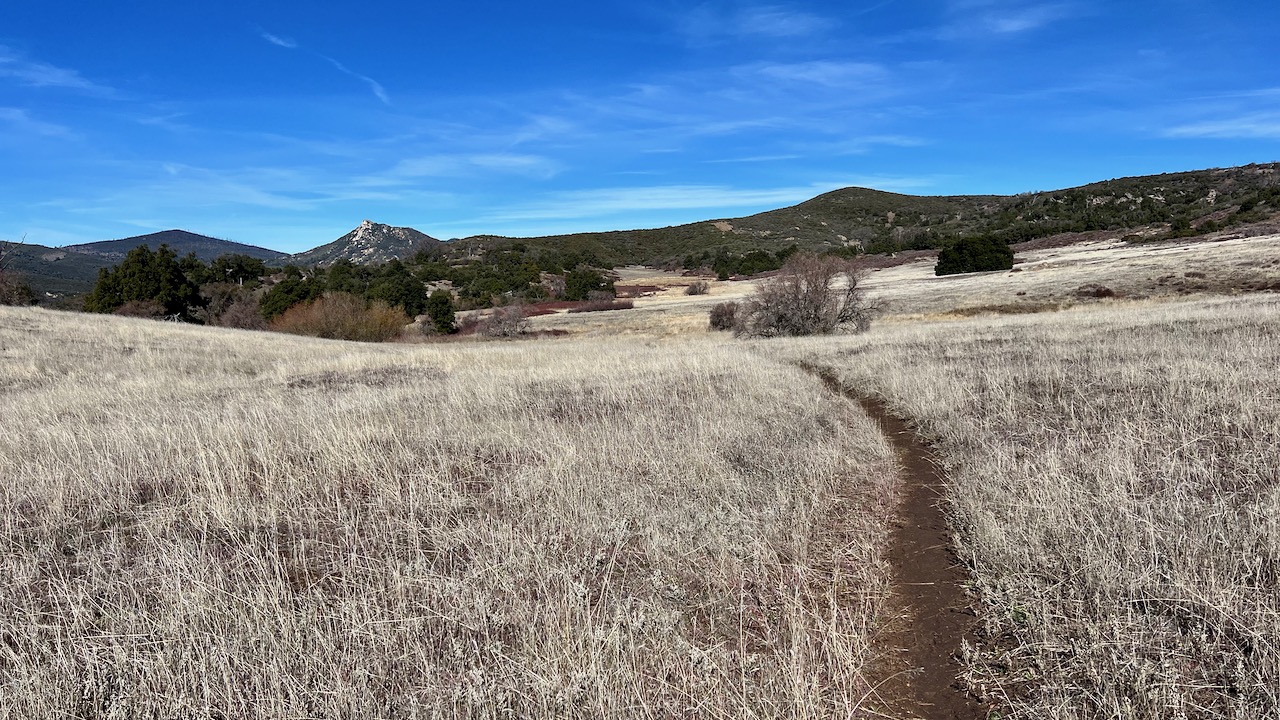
x=1045 y=280
x=1115 y=490
x=207 y=523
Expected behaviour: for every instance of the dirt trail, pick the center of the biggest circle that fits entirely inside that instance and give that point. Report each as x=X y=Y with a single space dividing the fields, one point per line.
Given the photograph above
x=918 y=679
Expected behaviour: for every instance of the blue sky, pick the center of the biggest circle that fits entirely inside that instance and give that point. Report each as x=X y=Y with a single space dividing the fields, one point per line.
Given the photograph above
x=285 y=124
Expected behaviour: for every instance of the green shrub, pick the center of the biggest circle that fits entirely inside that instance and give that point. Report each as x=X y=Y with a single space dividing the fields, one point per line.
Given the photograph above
x=440 y=309
x=974 y=254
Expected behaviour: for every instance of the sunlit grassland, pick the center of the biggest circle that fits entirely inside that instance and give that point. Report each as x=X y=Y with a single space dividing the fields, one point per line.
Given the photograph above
x=208 y=523
x=1115 y=488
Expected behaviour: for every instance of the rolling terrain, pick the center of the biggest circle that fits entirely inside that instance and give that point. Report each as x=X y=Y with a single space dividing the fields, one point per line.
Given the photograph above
x=850 y=221
x=647 y=519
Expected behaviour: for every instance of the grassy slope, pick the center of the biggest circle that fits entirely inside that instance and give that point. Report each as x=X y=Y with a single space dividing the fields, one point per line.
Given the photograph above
x=1115 y=491
x=206 y=523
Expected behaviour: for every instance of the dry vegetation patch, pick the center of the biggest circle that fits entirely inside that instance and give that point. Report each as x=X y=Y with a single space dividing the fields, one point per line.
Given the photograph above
x=209 y=523
x=1115 y=491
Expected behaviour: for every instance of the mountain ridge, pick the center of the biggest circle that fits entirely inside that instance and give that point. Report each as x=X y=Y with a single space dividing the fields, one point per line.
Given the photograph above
x=370 y=243
x=181 y=242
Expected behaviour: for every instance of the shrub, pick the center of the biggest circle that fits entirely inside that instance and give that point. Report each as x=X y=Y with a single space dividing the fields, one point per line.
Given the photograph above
x=974 y=254
x=603 y=305
x=580 y=283
x=12 y=290
x=812 y=295
x=505 y=322
x=699 y=287
x=149 y=309
x=440 y=309
x=724 y=315
x=242 y=314
x=342 y=316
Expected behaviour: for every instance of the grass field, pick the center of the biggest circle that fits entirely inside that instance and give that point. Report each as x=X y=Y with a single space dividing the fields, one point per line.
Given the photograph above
x=1116 y=492
x=667 y=523
x=206 y=523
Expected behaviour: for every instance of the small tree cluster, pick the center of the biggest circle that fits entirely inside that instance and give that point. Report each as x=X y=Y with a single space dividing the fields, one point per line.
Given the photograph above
x=812 y=295
x=342 y=316
x=145 y=276
x=974 y=254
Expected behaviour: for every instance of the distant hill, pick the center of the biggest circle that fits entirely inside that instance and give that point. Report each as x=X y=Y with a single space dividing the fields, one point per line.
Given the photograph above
x=55 y=271
x=180 y=241
x=73 y=269
x=370 y=243
x=881 y=222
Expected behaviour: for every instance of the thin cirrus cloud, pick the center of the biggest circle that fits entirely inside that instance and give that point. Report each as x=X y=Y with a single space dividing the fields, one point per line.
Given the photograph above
x=374 y=86
x=1003 y=17
x=34 y=73
x=1253 y=126
x=708 y=24
x=20 y=122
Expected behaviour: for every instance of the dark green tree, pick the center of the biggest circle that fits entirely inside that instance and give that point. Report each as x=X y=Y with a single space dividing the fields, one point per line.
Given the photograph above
x=440 y=309
x=397 y=286
x=289 y=292
x=580 y=283
x=145 y=275
x=974 y=254
x=237 y=269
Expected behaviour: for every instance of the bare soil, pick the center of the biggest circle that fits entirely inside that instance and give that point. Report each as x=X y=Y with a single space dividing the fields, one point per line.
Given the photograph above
x=919 y=677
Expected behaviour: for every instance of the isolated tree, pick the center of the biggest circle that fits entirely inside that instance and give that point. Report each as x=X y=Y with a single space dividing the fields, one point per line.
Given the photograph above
x=812 y=295
x=440 y=310
x=144 y=275
x=974 y=254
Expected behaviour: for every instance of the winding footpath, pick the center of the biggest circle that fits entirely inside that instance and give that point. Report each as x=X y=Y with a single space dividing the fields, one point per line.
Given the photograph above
x=917 y=679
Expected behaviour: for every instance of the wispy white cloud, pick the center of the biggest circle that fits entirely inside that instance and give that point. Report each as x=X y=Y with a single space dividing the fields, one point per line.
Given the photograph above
x=458 y=165
x=1004 y=17
x=829 y=73
x=1255 y=126
x=708 y=24
x=753 y=159
x=375 y=87
x=20 y=122
x=39 y=74
x=283 y=42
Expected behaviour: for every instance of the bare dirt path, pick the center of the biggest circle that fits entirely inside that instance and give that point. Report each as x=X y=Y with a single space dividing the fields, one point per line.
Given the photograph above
x=918 y=678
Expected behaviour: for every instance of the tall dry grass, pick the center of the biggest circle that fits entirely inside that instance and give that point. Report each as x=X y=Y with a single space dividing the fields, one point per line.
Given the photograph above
x=1115 y=486
x=206 y=523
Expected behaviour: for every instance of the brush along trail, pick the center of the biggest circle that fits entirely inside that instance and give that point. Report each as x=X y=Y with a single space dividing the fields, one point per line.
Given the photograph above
x=917 y=678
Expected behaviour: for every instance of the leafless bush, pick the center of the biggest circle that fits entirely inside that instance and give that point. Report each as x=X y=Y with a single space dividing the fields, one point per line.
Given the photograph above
x=12 y=290
x=699 y=287
x=243 y=314
x=811 y=295
x=724 y=315
x=342 y=316
x=505 y=322
x=602 y=305
x=149 y=309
